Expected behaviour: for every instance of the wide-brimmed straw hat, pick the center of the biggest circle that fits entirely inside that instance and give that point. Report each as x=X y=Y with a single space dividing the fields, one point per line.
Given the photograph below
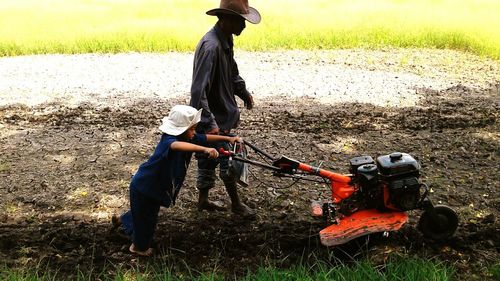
x=180 y=118
x=239 y=8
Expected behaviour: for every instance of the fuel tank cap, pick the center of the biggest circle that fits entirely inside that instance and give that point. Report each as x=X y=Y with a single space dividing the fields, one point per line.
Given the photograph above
x=395 y=156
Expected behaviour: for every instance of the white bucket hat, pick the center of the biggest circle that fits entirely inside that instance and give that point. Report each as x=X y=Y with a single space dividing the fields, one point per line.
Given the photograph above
x=180 y=118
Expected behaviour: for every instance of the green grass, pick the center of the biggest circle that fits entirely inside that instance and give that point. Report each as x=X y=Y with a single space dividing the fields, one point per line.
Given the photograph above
x=110 y=26
x=495 y=271
x=408 y=269
x=81 y=26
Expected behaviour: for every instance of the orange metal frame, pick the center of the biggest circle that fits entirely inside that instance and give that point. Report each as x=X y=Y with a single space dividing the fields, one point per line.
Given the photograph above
x=340 y=184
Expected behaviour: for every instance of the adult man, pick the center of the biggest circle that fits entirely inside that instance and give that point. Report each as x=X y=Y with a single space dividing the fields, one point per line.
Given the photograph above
x=216 y=81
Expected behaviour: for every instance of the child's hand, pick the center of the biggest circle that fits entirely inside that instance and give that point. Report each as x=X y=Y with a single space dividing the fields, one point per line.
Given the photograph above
x=211 y=152
x=232 y=140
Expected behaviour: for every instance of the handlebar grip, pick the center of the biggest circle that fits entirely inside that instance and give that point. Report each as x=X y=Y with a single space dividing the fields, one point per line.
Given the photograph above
x=224 y=152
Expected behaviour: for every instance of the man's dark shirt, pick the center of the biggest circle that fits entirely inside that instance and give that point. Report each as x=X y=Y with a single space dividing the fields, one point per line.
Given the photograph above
x=216 y=81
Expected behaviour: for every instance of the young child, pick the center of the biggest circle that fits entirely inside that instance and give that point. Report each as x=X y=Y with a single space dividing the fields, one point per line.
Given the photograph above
x=159 y=180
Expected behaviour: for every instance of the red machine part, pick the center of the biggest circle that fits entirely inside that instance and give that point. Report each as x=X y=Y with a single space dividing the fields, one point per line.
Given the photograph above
x=341 y=185
x=361 y=223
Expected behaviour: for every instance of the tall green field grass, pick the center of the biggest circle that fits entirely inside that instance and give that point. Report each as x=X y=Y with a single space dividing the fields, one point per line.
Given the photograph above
x=82 y=26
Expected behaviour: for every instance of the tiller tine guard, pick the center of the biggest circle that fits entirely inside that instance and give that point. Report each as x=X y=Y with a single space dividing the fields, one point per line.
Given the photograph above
x=361 y=223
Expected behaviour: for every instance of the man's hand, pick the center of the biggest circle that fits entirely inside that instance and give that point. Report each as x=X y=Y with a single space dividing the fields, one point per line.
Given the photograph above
x=232 y=140
x=211 y=152
x=249 y=102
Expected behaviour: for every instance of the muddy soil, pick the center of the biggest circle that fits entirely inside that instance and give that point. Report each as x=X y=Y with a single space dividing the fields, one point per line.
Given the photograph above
x=65 y=170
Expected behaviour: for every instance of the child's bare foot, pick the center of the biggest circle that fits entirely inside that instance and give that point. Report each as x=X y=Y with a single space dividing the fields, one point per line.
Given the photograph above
x=146 y=253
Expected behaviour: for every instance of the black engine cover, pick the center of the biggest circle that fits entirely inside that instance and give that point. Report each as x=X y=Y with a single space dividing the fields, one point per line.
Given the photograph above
x=404 y=193
x=358 y=161
x=397 y=164
x=400 y=171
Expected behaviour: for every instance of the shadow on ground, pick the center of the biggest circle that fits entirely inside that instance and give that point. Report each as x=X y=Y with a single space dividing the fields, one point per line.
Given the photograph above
x=64 y=171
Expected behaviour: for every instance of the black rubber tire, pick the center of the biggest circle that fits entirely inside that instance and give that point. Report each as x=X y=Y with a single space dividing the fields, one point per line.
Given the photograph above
x=448 y=223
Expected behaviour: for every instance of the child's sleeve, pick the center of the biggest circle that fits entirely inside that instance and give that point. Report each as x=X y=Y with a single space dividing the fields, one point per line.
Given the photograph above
x=200 y=139
x=165 y=143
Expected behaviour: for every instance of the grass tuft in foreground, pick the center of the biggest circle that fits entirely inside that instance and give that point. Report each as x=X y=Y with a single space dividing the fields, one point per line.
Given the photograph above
x=408 y=269
x=495 y=271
